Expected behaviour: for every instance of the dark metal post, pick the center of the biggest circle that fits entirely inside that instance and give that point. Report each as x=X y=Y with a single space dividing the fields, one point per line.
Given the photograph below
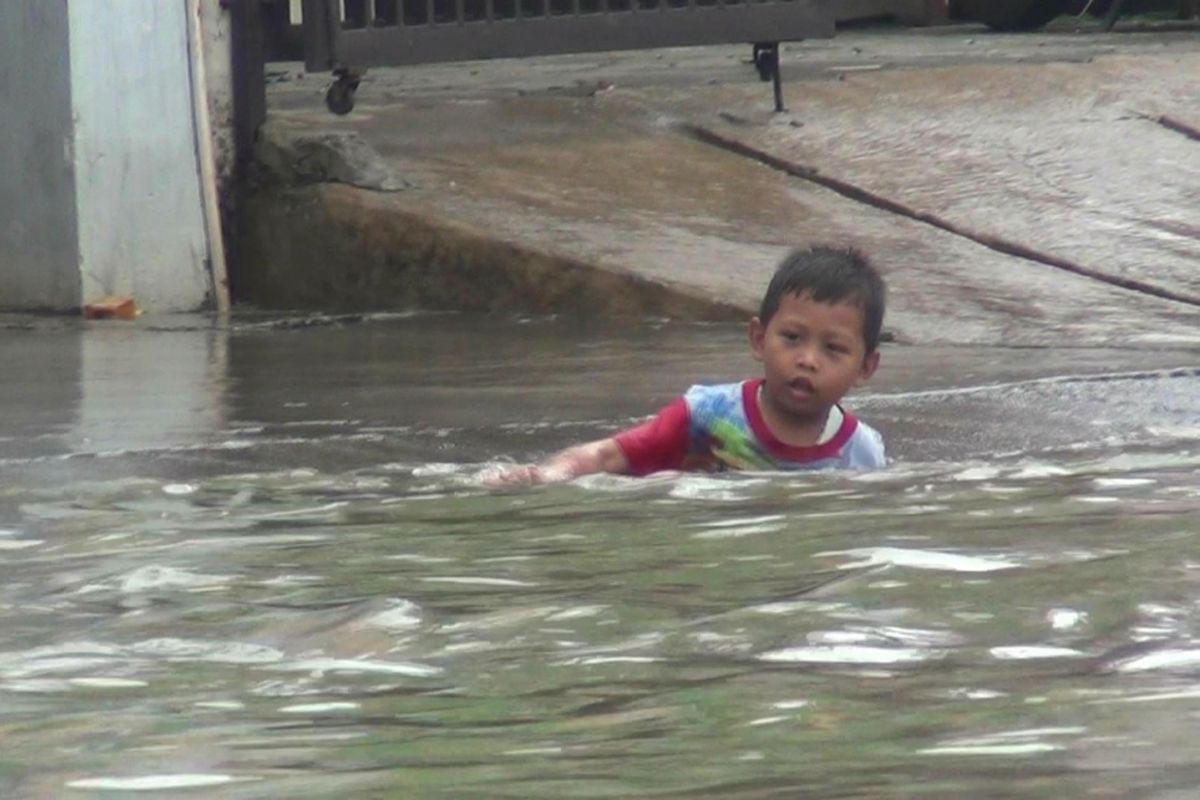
x=777 y=79
x=247 y=19
x=1114 y=11
x=766 y=61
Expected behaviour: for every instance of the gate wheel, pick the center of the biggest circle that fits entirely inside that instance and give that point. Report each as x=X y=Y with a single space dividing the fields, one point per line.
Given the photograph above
x=340 y=96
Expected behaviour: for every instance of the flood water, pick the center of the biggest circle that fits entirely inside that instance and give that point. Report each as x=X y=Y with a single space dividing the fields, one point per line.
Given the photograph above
x=253 y=561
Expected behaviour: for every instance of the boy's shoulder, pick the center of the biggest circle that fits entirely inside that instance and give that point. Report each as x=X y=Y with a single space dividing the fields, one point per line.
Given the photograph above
x=865 y=448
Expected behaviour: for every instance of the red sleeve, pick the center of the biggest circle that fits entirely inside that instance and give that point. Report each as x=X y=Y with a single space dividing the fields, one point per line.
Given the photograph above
x=657 y=444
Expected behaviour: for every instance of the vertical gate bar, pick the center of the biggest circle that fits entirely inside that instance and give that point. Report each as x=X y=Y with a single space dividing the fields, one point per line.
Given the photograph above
x=575 y=7
x=429 y=13
x=460 y=13
x=489 y=10
x=320 y=34
x=777 y=79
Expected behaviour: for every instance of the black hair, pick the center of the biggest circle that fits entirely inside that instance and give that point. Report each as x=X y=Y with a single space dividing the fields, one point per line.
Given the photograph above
x=830 y=275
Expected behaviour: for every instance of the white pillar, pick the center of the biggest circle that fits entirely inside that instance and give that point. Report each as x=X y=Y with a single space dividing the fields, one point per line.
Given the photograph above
x=100 y=178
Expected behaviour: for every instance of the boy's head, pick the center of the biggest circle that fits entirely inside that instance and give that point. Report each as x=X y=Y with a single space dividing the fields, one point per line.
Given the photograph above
x=817 y=333
x=830 y=275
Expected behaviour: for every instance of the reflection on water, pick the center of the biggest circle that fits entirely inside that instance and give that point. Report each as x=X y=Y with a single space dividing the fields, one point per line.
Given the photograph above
x=263 y=569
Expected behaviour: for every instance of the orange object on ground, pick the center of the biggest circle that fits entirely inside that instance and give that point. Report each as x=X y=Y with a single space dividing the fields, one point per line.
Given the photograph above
x=111 y=308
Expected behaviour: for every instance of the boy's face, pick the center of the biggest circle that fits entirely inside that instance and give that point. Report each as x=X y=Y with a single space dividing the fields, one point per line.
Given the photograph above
x=812 y=354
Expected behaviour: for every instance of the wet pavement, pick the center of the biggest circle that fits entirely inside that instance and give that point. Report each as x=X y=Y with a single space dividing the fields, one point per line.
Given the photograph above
x=1016 y=189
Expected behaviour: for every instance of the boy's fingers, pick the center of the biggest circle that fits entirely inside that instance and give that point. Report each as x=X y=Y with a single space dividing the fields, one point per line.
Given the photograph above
x=522 y=475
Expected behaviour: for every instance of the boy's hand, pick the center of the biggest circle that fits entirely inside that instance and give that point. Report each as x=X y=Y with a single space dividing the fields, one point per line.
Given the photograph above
x=584 y=459
x=521 y=475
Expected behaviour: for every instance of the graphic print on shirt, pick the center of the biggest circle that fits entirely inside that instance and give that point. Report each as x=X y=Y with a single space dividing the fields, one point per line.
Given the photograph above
x=722 y=437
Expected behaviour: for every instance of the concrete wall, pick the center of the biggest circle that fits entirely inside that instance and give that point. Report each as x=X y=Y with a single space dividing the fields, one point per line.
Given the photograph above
x=138 y=194
x=38 y=256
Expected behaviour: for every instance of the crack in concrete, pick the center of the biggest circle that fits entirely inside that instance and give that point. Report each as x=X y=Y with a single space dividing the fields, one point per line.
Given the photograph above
x=1179 y=126
x=869 y=198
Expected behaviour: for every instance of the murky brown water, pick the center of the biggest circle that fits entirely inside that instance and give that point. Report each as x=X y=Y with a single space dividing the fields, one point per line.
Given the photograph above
x=251 y=562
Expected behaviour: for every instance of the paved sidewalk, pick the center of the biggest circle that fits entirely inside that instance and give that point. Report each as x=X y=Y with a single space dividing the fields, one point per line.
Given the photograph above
x=1020 y=190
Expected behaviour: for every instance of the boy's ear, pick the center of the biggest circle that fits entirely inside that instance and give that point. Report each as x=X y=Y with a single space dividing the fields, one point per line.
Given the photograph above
x=758 y=334
x=869 y=365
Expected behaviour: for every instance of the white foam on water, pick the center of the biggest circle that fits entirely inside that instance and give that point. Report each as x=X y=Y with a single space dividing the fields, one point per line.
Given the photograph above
x=839 y=637
x=100 y=682
x=32 y=665
x=154 y=783
x=968 y=693
x=848 y=654
x=593 y=660
x=36 y=686
x=1163 y=659
x=418 y=558
x=788 y=705
x=153 y=577
x=738 y=522
x=405 y=668
x=536 y=751
x=1029 y=748
x=173 y=649
x=433 y=470
x=691 y=487
x=178 y=489
x=318 y=708
x=976 y=474
x=1063 y=619
x=220 y=705
x=19 y=544
x=1096 y=499
x=739 y=531
x=1024 y=652
x=578 y=612
x=1120 y=483
x=301 y=512
x=767 y=720
x=1183 y=694
x=402 y=615
x=479 y=581
x=921 y=559
x=1040 y=471
x=1019 y=742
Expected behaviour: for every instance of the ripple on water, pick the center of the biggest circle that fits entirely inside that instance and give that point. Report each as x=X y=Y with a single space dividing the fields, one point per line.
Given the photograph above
x=153 y=576
x=1033 y=651
x=155 y=783
x=921 y=559
x=850 y=655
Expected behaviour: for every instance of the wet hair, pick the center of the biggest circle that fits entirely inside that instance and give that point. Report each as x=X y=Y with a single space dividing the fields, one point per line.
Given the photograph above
x=830 y=275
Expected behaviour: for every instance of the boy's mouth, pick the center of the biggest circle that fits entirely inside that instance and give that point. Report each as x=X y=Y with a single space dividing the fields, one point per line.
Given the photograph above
x=802 y=386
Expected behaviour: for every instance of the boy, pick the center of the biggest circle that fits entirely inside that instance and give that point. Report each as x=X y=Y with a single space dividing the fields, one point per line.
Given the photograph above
x=817 y=336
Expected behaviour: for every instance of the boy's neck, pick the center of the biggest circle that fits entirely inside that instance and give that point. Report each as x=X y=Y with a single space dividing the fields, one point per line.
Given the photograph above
x=793 y=431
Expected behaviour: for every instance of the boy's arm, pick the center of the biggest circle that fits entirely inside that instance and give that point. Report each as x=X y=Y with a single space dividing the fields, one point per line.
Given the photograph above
x=657 y=444
x=602 y=455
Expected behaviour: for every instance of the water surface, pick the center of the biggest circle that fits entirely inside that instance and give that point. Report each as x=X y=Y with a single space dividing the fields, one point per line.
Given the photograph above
x=253 y=561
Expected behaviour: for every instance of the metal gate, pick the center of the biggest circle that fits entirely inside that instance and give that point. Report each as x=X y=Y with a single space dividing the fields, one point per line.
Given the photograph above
x=347 y=36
